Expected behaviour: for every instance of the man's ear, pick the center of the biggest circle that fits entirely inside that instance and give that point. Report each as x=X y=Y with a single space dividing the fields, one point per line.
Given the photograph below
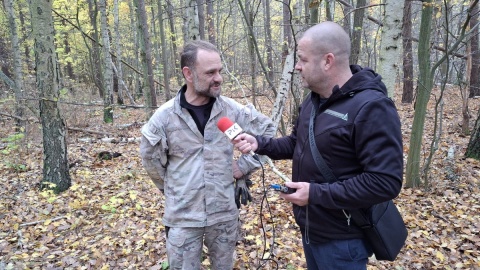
x=187 y=73
x=329 y=60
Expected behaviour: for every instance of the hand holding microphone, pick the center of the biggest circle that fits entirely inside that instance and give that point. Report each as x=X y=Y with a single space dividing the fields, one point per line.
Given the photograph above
x=244 y=142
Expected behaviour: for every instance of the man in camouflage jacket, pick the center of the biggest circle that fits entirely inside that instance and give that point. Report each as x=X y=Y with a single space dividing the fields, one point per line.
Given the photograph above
x=190 y=160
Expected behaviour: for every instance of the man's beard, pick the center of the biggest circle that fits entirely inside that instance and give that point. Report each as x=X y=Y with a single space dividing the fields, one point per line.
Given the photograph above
x=206 y=92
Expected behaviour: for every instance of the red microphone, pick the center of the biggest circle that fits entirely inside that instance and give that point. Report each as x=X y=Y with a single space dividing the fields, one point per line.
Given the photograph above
x=231 y=129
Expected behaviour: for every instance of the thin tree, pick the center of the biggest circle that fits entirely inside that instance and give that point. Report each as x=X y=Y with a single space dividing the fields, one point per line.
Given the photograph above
x=473 y=148
x=146 y=56
x=106 y=65
x=211 y=22
x=17 y=73
x=163 y=44
x=358 y=16
x=475 y=56
x=173 y=39
x=55 y=163
x=268 y=40
x=118 y=49
x=201 y=19
x=95 y=52
x=407 y=93
x=312 y=11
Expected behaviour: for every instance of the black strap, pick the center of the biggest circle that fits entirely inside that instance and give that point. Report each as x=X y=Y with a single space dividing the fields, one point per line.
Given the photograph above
x=317 y=157
x=327 y=173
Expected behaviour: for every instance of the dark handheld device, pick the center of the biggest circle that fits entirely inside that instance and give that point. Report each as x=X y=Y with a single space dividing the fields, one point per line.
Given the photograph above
x=283 y=189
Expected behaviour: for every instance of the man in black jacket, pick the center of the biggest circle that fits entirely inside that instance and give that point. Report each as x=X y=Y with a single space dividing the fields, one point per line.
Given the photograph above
x=357 y=132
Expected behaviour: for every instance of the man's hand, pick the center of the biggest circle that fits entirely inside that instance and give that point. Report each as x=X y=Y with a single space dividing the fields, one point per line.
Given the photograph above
x=242 y=193
x=245 y=143
x=300 y=196
x=237 y=174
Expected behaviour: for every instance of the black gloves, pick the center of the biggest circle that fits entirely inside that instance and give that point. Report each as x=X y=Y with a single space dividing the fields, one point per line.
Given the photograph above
x=242 y=194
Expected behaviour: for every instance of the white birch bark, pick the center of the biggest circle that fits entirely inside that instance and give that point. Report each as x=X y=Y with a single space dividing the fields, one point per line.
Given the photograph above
x=391 y=48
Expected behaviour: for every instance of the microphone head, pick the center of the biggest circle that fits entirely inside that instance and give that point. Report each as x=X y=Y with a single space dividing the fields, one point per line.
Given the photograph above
x=224 y=123
x=229 y=128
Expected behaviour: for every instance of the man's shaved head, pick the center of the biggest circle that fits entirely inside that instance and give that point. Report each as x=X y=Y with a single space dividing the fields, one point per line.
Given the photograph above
x=329 y=37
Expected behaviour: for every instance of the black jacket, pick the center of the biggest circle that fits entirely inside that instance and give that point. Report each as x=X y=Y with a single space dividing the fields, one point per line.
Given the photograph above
x=358 y=133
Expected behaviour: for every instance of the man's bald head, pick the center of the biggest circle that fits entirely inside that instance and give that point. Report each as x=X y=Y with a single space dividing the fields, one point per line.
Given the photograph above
x=329 y=37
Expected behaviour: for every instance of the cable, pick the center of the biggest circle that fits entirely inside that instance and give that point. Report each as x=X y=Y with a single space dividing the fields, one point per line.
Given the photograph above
x=265 y=200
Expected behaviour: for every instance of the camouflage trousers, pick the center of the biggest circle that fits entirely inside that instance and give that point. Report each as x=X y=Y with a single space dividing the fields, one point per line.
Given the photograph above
x=184 y=246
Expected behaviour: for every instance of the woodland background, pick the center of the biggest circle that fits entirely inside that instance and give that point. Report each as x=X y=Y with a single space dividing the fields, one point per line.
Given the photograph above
x=79 y=78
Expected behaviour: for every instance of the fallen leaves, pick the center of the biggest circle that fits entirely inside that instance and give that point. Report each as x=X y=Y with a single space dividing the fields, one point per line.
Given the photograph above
x=110 y=218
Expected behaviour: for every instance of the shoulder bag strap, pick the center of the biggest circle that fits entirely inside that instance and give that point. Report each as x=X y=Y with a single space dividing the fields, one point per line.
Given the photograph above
x=317 y=157
x=327 y=173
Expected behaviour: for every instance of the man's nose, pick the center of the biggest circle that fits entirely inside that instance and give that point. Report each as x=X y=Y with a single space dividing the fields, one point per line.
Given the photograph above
x=218 y=77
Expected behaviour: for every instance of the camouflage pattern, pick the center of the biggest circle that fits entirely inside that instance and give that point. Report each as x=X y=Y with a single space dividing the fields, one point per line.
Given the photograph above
x=195 y=171
x=184 y=246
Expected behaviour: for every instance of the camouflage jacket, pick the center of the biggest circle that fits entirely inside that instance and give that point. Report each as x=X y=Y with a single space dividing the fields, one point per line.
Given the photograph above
x=195 y=171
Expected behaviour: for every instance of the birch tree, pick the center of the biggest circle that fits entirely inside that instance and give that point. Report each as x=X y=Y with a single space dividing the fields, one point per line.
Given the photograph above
x=191 y=29
x=55 y=163
x=390 y=49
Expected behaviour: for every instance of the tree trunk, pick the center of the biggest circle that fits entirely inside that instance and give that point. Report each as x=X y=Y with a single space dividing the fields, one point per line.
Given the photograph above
x=211 y=23
x=107 y=66
x=474 y=75
x=313 y=11
x=201 y=18
x=55 y=163
x=163 y=41
x=146 y=56
x=118 y=50
x=284 y=89
x=287 y=29
x=249 y=19
x=173 y=34
x=68 y=51
x=191 y=29
x=328 y=10
x=21 y=17
x=390 y=49
x=473 y=148
x=424 y=87
x=407 y=93
x=357 y=31
x=96 y=68
x=18 y=73
x=268 y=41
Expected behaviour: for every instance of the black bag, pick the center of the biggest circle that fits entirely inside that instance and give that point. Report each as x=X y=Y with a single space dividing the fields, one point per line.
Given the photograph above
x=383 y=228
x=382 y=223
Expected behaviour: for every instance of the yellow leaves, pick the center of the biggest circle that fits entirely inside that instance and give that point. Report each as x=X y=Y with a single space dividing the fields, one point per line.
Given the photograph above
x=440 y=256
x=133 y=195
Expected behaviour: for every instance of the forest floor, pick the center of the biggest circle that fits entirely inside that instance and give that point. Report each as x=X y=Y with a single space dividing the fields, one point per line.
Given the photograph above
x=110 y=218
